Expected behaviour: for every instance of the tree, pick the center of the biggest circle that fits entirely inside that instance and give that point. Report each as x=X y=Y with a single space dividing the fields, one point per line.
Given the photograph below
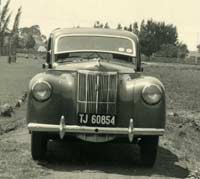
x=125 y=28
x=119 y=27
x=182 y=50
x=130 y=28
x=154 y=34
x=106 y=26
x=97 y=24
x=15 y=33
x=17 y=20
x=135 y=28
x=44 y=38
x=173 y=51
x=30 y=42
x=167 y=50
x=4 y=21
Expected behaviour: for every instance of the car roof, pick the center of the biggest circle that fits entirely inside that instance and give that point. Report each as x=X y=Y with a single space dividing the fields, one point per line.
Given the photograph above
x=94 y=31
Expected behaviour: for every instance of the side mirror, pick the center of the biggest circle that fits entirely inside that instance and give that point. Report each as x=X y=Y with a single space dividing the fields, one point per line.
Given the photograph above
x=48 y=61
x=46 y=65
x=49 y=65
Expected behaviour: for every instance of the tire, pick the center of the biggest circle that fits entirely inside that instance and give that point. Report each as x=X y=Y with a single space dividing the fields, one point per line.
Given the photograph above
x=38 y=145
x=148 y=150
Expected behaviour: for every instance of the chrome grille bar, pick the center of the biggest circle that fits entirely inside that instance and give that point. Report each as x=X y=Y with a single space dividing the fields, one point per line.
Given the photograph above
x=77 y=105
x=86 y=91
x=94 y=102
x=108 y=92
x=97 y=92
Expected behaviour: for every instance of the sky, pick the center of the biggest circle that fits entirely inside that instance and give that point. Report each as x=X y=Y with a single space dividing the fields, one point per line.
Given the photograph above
x=51 y=14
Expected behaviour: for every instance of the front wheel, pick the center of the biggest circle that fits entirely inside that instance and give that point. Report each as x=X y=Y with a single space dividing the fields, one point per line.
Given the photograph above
x=38 y=145
x=148 y=150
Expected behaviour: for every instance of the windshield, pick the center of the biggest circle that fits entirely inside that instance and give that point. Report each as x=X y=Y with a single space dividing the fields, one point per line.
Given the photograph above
x=107 y=44
x=86 y=56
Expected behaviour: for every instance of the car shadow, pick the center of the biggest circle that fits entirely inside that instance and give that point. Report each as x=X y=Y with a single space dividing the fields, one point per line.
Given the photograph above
x=110 y=158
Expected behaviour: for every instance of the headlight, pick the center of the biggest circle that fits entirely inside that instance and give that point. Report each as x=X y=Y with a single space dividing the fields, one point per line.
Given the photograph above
x=41 y=90
x=152 y=94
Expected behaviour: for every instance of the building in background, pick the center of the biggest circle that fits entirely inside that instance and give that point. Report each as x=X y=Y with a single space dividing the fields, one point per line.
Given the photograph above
x=194 y=56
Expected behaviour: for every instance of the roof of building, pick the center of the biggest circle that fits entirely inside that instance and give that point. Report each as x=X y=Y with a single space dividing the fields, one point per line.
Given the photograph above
x=42 y=49
x=94 y=31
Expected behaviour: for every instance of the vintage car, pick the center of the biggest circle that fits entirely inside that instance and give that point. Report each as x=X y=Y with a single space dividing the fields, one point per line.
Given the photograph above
x=94 y=91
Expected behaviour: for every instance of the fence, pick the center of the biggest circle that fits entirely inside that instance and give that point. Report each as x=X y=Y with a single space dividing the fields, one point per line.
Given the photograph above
x=6 y=50
x=26 y=51
x=172 y=60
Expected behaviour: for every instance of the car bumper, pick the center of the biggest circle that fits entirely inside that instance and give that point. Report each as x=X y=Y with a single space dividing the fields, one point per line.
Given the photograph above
x=62 y=128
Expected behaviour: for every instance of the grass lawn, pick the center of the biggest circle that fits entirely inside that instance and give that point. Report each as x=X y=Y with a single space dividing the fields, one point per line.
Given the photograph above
x=14 y=78
x=182 y=84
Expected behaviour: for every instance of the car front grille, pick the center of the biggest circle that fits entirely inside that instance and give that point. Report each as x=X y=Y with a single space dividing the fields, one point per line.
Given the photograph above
x=97 y=92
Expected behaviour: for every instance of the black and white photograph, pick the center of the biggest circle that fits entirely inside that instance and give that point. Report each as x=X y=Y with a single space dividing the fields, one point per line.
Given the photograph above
x=96 y=89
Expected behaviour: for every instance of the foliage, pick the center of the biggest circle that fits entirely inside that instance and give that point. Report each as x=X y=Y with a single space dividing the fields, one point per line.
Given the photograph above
x=106 y=26
x=119 y=27
x=155 y=38
x=4 y=21
x=15 y=32
x=30 y=43
x=133 y=28
x=98 y=24
x=130 y=28
x=167 y=50
x=44 y=38
x=182 y=50
x=17 y=20
x=154 y=34
x=136 y=29
x=34 y=31
x=173 y=51
x=125 y=28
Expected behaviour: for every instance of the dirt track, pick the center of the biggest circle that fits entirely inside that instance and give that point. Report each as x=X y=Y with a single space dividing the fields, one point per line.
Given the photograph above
x=114 y=161
x=67 y=160
x=178 y=155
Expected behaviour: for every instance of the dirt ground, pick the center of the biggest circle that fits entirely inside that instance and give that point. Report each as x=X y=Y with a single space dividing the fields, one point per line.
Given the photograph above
x=179 y=150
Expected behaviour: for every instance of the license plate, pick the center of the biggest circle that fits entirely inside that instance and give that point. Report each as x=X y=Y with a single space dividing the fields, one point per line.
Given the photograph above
x=96 y=119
